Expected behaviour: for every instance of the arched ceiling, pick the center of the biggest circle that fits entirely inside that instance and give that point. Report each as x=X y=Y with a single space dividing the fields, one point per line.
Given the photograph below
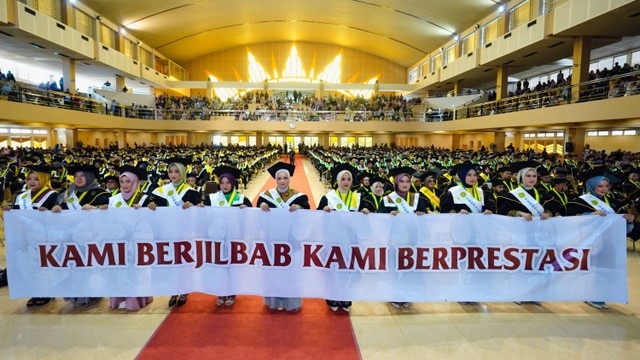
x=402 y=31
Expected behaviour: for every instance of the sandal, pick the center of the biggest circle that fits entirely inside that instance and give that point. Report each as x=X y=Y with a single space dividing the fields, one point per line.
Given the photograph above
x=42 y=301
x=32 y=302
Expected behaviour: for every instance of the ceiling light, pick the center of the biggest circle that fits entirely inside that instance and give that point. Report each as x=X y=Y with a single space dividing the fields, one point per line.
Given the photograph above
x=122 y=30
x=456 y=37
x=501 y=9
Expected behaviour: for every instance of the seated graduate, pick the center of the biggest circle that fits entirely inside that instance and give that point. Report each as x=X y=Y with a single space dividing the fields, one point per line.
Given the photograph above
x=525 y=200
x=402 y=200
x=465 y=198
x=429 y=191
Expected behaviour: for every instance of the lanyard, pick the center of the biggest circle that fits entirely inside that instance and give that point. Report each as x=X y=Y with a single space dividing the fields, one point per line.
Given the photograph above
x=133 y=198
x=376 y=201
x=347 y=202
x=563 y=197
x=81 y=196
x=35 y=197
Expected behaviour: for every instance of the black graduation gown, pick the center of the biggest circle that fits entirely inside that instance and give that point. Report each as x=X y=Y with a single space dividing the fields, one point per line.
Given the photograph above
x=508 y=204
x=51 y=201
x=422 y=206
x=372 y=202
x=578 y=206
x=429 y=204
x=324 y=202
x=246 y=202
x=94 y=197
x=448 y=206
x=302 y=201
x=558 y=202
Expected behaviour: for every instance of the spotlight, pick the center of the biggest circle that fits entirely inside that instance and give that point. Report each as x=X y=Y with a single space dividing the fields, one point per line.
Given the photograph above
x=456 y=37
x=98 y=17
x=441 y=49
x=477 y=26
x=122 y=30
x=501 y=9
x=139 y=43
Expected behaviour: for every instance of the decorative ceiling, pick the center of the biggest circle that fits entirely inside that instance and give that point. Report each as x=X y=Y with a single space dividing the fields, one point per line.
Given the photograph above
x=402 y=31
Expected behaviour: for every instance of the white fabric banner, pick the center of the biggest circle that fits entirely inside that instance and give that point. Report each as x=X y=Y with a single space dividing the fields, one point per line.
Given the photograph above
x=337 y=255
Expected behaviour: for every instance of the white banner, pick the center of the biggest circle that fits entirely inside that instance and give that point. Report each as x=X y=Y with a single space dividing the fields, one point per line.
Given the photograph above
x=337 y=255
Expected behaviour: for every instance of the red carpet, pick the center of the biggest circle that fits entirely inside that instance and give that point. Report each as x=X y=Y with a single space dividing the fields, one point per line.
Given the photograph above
x=298 y=181
x=249 y=330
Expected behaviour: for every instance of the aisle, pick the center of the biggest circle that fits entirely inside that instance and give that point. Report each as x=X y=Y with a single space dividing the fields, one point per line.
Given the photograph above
x=249 y=329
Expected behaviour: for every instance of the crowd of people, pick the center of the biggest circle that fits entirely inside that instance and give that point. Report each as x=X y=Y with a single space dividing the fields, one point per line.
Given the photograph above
x=557 y=91
x=379 y=179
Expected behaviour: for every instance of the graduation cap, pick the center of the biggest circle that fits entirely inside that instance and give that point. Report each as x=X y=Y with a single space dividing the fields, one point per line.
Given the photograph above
x=375 y=178
x=41 y=168
x=281 y=166
x=164 y=176
x=218 y=171
x=84 y=168
x=542 y=171
x=401 y=170
x=192 y=175
x=363 y=175
x=418 y=175
x=459 y=167
x=181 y=160
x=517 y=166
x=433 y=172
x=558 y=180
x=591 y=173
x=140 y=173
x=343 y=167
x=111 y=177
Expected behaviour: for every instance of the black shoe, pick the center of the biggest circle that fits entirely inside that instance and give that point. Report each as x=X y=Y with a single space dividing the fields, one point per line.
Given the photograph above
x=173 y=300
x=182 y=300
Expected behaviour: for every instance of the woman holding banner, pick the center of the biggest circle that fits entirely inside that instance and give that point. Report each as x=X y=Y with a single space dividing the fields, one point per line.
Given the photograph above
x=596 y=201
x=39 y=196
x=227 y=197
x=465 y=198
x=342 y=199
x=402 y=201
x=525 y=200
x=283 y=197
x=178 y=193
x=131 y=195
x=373 y=200
x=84 y=194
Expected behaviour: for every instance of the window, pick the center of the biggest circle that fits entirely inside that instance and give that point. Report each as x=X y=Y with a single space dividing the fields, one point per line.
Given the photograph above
x=220 y=140
x=449 y=54
x=629 y=132
x=252 y=141
x=593 y=67
x=603 y=133
x=527 y=135
x=435 y=62
x=366 y=141
x=592 y=133
x=333 y=141
x=4 y=130
x=424 y=68
x=550 y=135
x=130 y=49
x=25 y=131
x=147 y=59
x=468 y=43
x=276 y=140
x=490 y=31
x=560 y=134
x=605 y=63
x=620 y=59
x=311 y=140
x=541 y=135
x=519 y=15
x=14 y=131
x=413 y=75
x=108 y=36
x=49 y=7
x=83 y=22
x=616 y=133
x=635 y=58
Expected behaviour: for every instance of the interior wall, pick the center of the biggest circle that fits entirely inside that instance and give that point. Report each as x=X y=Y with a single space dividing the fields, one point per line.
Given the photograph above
x=89 y=137
x=233 y=64
x=612 y=143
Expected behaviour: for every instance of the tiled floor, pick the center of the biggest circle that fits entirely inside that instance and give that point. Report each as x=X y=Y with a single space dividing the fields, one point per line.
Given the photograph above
x=423 y=331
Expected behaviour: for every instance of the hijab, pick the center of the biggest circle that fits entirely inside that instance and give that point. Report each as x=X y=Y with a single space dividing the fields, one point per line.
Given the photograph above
x=134 y=179
x=183 y=173
x=229 y=177
x=462 y=175
x=44 y=178
x=90 y=185
x=592 y=183
x=396 y=180
x=520 y=177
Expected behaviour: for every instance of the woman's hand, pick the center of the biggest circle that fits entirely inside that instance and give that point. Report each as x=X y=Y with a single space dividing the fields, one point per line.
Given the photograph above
x=420 y=213
x=599 y=212
x=463 y=211
x=56 y=209
x=629 y=218
x=487 y=212
x=187 y=205
x=365 y=211
x=6 y=208
x=200 y=205
x=136 y=206
x=394 y=212
x=242 y=206
x=152 y=206
x=544 y=216
x=103 y=207
x=88 y=207
x=264 y=207
x=326 y=208
x=525 y=215
x=294 y=207
x=42 y=208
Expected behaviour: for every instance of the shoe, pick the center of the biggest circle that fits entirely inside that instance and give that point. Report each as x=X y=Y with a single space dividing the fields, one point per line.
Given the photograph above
x=92 y=301
x=220 y=300
x=598 y=305
x=173 y=300
x=334 y=308
x=43 y=301
x=346 y=308
x=467 y=302
x=396 y=305
x=518 y=302
x=535 y=303
x=32 y=302
x=280 y=307
x=230 y=301
x=182 y=300
x=405 y=304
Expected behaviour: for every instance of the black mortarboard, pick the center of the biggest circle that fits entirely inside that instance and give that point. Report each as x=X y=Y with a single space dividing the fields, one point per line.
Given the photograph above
x=342 y=167
x=140 y=173
x=84 y=168
x=363 y=175
x=433 y=172
x=227 y=170
x=517 y=166
x=401 y=170
x=181 y=160
x=281 y=166
x=111 y=177
x=41 y=168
